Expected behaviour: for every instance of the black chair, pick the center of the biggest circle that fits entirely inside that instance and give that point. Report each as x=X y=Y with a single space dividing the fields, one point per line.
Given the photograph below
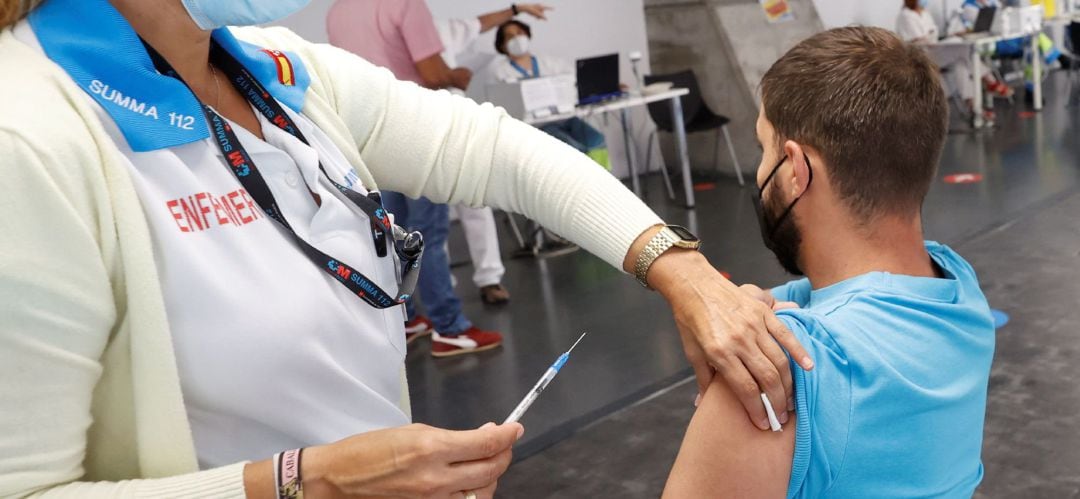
x=1072 y=35
x=697 y=117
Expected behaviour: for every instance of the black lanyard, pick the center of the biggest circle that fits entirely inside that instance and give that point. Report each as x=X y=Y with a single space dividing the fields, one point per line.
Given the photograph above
x=408 y=246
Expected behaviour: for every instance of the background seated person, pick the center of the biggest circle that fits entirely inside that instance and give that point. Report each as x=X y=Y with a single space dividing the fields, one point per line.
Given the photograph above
x=852 y=126
x=512 y=40
x=1012 y=48
x=916 y=25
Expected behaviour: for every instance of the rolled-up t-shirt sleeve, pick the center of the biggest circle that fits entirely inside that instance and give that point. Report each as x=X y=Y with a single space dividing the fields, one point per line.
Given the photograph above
x=821 y=429
x=797 y=291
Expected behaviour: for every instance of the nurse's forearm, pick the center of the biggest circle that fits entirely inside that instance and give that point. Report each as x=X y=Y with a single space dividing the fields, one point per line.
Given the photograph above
x=259 y=479
x=494 y=19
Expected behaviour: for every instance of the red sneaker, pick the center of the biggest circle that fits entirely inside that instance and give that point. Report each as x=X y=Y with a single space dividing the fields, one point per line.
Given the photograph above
x=1000 y=88
x=420 y=326
x=472 y=340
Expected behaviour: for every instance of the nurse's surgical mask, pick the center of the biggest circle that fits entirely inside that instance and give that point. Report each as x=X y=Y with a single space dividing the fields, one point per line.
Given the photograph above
x=518 y=46
x=214 y=14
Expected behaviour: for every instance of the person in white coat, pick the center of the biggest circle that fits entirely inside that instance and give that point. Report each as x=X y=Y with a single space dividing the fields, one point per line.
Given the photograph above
x=479 y=223
x=916 y=25
x=513 y=39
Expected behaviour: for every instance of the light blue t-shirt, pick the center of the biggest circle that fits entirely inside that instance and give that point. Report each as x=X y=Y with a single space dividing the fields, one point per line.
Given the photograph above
x=896 y=402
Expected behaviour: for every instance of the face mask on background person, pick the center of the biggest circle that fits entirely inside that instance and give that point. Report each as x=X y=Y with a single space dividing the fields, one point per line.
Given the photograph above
x=518 y=46
x=213 y=14
x=923 y=3
x=778 y=232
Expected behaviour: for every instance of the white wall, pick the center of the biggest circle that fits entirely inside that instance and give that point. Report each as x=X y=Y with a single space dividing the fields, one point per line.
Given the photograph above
x=836 y=13
x=575 y=29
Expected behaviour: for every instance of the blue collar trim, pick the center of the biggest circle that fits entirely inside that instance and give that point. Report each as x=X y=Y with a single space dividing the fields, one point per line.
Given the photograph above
x=535 y=68
x=97 y=47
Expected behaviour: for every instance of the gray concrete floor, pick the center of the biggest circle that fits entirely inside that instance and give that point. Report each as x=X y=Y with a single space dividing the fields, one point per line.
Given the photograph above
x=594 y=433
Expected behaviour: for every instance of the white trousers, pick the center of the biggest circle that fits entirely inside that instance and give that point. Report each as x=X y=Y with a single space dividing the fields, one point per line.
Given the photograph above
x=483 y=241
x=957 y=59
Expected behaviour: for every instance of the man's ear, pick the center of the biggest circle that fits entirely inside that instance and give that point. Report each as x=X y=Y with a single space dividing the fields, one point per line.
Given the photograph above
x=800 y=171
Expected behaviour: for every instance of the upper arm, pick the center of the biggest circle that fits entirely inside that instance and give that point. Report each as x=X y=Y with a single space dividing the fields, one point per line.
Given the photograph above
x=56 y=312
x=381 y=113
x=724 y=455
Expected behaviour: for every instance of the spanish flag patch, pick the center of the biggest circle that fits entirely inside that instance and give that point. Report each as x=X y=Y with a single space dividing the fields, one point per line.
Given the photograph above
x=285 y=73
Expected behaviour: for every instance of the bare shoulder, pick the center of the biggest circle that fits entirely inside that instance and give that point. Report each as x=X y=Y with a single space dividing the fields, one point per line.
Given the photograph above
x=724 y=455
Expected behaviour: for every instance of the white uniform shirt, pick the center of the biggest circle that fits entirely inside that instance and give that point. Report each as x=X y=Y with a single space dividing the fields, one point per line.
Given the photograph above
x=916 y=26
x=272 y=352
x=504 y=71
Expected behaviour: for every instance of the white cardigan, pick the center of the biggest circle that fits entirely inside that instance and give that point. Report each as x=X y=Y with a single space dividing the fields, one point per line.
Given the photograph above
x=91 y=400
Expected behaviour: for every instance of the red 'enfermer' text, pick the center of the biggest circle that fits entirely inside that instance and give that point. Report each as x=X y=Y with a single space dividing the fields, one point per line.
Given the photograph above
x=204 y=211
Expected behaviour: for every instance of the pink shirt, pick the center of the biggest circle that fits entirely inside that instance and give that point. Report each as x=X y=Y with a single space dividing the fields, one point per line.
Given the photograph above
x=391 y=33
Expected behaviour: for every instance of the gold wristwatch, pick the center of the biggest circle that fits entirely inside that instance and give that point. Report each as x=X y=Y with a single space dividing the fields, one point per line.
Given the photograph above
x=669 y=235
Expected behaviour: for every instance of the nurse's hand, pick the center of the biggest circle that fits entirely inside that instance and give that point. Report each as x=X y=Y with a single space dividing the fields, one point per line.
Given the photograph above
x=410 y=461
x=729 y=332
x=725 y=330
x=460 y=78
x=534 y=9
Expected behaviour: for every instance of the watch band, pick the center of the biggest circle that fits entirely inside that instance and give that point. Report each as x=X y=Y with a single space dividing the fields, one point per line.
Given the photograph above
x=662 y=241
x=656 y=246
x=514 y=9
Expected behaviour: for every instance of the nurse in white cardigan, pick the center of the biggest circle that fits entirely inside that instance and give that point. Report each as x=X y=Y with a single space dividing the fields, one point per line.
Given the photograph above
x=164 y=326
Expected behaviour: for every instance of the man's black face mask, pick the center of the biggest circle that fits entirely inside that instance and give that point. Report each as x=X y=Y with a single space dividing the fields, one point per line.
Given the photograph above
x=778 y=232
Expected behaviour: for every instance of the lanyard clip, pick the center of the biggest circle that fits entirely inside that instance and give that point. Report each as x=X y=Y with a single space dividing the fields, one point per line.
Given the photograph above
x=411 y=244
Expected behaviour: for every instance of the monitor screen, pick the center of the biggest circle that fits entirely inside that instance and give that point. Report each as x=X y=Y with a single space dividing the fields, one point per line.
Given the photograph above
x=598 y=78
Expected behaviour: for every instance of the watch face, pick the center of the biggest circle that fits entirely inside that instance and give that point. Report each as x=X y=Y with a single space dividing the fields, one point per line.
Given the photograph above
x=683 y=233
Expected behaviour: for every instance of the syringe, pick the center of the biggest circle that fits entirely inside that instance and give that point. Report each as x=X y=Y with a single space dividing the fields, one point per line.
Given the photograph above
x=540 y=385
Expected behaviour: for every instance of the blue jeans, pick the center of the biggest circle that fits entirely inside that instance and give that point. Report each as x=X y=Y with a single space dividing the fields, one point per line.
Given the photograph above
x=434 y=285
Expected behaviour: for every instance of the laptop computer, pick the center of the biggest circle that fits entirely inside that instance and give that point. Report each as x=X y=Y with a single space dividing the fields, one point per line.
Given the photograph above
x=598 y=79
x=984 y=21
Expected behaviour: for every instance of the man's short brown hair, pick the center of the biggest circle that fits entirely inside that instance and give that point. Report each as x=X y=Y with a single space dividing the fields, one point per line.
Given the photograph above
x=872 y=106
